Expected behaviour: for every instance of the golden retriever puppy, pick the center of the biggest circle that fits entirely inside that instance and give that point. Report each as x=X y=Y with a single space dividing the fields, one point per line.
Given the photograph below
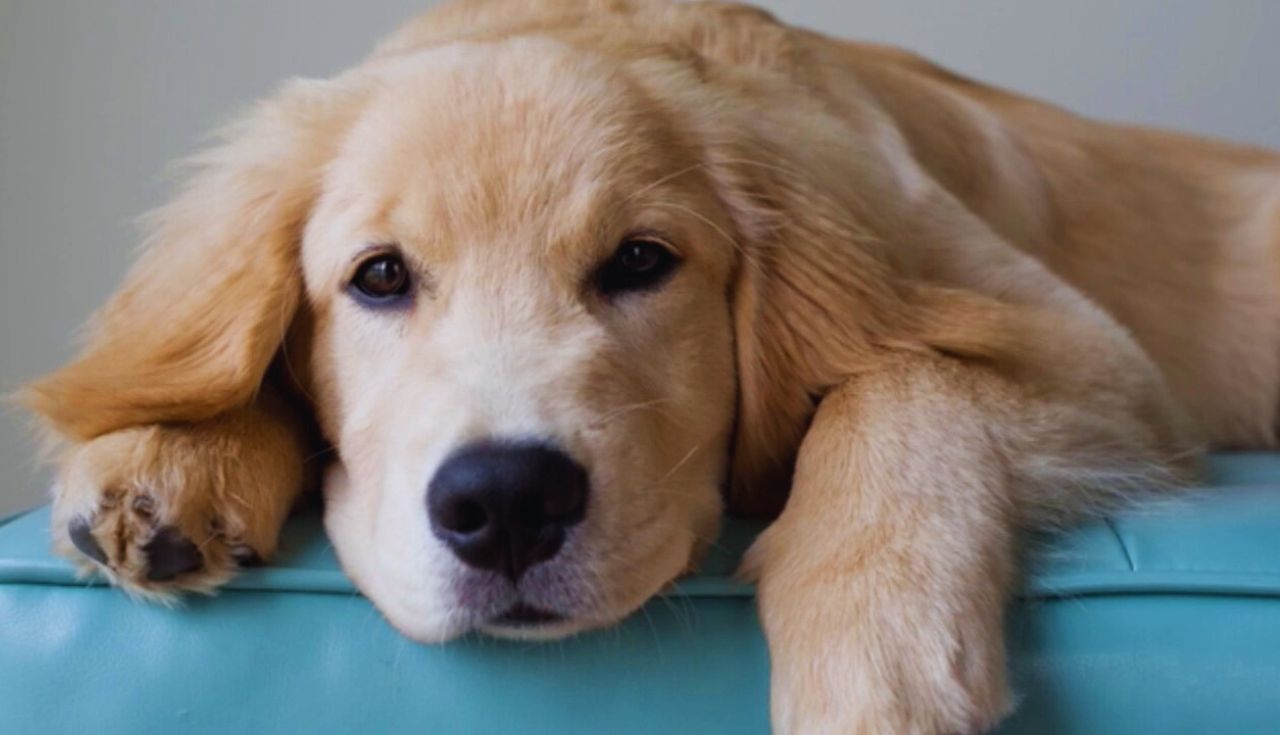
x=553 y=278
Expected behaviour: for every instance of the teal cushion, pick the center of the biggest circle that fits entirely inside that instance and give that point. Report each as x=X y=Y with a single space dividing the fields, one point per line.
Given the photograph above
x=1162 y=619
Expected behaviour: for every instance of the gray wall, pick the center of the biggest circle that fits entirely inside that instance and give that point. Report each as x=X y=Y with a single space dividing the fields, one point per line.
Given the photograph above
x=97 y=95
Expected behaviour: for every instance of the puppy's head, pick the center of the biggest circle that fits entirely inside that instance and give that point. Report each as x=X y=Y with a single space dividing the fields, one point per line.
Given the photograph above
x=520 y=343
x=545 y=305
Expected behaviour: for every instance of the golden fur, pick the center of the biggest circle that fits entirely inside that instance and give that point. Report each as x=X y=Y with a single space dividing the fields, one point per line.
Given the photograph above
x=915 y=315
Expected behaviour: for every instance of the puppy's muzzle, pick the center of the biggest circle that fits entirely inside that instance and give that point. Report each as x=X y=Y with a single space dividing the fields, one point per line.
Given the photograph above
x=506 y=506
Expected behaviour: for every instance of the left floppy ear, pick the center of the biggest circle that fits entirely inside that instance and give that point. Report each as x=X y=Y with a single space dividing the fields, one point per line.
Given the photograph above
x=192 y=330
x=808 y=303
x=822 y=293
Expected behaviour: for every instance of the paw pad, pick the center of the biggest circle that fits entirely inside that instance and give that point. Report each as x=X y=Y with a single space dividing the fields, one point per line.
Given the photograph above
x=170 y=554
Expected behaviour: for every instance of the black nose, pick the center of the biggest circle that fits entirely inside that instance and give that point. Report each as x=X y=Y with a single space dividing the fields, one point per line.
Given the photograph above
x=505 y=506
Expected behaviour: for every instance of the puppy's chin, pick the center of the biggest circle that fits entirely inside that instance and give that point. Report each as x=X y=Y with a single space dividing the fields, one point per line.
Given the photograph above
x=624 y=604
x=539 y=632
x=461 y=621
x=568 y=626
x=609 y=607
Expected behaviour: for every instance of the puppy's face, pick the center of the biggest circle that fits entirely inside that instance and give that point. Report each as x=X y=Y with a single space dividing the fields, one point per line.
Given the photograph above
x=520 y=344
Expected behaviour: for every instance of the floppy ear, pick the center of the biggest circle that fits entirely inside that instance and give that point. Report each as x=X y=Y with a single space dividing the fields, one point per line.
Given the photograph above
x=194 y=326
x=820 y=295
x=808 y=302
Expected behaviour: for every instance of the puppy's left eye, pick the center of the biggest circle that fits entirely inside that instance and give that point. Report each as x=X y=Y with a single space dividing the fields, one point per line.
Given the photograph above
x=639 y=264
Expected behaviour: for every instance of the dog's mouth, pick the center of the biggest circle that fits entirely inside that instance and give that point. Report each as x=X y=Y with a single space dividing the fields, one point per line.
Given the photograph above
x=523 y=621
x=524 y=615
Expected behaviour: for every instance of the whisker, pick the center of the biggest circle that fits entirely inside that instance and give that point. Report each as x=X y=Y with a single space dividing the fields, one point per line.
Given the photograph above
x=701 y=217
x=676 y=468
x=624 y=410
x=286 y=316
x=653 y=629
x=320 y=453
x=777 y=167
x=686 y=613
x=683 y=614
x=655 y=184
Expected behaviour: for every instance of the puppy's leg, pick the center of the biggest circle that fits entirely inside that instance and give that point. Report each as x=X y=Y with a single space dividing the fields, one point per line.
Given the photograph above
x=883 y=583
x=171 y=507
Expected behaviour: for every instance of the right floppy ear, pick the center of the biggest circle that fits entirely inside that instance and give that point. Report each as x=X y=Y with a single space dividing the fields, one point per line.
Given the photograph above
x=191 y=331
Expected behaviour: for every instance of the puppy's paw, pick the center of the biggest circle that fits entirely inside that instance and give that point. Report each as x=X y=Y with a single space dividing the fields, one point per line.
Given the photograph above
x=162 y=510
x=863 y=681
x=874 y=653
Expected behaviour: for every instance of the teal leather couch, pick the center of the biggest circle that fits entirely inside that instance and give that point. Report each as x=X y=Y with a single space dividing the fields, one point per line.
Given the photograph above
x=1164 y=619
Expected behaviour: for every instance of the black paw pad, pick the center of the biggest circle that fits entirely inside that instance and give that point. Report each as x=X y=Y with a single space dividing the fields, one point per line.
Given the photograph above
x=82 y=538
x=245 y=556
x=169 y=554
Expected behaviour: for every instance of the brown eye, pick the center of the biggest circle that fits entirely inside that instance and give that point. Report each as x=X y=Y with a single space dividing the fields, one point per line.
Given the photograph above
x=640 y=256
x=381 y=279
x=639 y=264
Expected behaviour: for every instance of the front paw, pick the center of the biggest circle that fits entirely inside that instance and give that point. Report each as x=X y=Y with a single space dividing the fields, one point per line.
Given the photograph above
x=153 y=511
x=885 y=678
x=883 y=651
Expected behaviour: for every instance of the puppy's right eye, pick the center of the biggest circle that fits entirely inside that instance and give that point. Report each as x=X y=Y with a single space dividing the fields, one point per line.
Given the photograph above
x=381 y=279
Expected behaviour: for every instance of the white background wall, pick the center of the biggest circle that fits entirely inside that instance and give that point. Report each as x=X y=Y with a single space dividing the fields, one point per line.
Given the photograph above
x=97 y=95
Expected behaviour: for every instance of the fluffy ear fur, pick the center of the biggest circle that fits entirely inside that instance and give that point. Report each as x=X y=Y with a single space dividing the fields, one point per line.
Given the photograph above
x=813 y=304
x=194 y=326
x=822 y=292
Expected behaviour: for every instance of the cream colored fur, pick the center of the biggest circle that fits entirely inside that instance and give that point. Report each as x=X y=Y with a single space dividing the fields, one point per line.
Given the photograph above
x=915 y=316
